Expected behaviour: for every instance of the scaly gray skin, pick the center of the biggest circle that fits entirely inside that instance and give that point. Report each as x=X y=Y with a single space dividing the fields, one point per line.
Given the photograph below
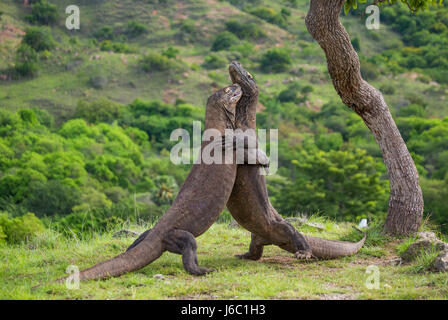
x=249 y=202
x=201 y=199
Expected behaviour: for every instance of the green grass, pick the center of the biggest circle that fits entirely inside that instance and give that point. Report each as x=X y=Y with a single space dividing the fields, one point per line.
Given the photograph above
x=276 y=276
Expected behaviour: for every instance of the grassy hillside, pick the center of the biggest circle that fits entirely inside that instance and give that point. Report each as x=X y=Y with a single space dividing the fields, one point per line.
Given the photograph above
x=66 y=75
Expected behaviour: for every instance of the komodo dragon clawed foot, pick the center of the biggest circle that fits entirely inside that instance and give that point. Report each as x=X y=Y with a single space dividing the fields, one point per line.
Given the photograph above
x=183 y=242
x=305 y=255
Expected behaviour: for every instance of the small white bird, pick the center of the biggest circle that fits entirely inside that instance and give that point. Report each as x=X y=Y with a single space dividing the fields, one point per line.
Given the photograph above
x=363 y=224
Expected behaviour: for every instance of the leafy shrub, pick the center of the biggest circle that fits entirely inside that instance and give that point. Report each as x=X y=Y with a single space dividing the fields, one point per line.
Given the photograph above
x=270 y=15
x=369 y=71
x=116 y=47
x=105 y=33
x=276 y=60
x=224 y=41
x=214 y=61
x=171 y=53
x=166 y=190
x=343 y=184
x=305 y=90
x=43 y=12
x=244 y=48
x=158 y=119
x=387 y=89
x=38 y=38
x=19 y=229
x=356 y=43
x=242 y=30
x=156 y=62
x=289 y=95
x=412 y=110
x=26 y=61
x=2 y=233
x=80 y=223
x=52 y=197
x=100 y=110
x=135 y=29
x=98 y=81
x=188 y=31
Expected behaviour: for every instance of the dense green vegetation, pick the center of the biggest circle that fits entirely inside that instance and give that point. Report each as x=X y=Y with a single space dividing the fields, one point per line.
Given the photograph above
x=86 y=115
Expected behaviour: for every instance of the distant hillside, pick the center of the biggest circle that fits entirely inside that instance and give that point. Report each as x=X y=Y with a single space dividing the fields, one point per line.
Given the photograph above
x=77 y=68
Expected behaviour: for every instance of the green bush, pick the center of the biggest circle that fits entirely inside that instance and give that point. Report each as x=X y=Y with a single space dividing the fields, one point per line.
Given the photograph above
x=43 y=12
x=156 y=62
x=52 y=197
x=369 y=71
x=343 y=184
x=100 y=110
x=214 y=61
x=305 y=90
x=188 y=31
x=289 y=95
x=116 y=47
x=224 y=41
x=38 y=38
x=276 y=60
x=135 y=29
x=270 y=15
x=105 y=33
x=356 y=43
x=412 y=110
x=19 y=229
x=171 y=53
x=387 y=89
x=249 y=31
x=26 y=61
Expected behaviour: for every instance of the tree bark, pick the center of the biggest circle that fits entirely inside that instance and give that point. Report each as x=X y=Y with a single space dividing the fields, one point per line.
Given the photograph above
x=406 y=201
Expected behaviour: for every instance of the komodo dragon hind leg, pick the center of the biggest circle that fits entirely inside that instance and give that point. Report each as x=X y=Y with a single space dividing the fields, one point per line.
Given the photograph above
x=255 y=248
x=138 y=240
x=296 y=243
x=183 y=242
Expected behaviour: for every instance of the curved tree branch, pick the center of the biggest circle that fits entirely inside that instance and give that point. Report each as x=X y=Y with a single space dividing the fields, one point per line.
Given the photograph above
x=406 y=200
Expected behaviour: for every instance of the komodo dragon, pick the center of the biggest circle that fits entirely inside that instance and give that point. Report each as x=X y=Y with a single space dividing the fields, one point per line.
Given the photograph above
x=201 y=199
x=249 y=202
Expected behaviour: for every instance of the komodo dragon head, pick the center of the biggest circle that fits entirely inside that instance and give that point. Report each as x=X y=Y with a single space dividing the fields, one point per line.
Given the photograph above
x=220 y=111
x=247 y=106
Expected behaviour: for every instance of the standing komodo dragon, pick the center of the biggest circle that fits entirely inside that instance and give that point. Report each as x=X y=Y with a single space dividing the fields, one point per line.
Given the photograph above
x=201 y=199
x=249 y=202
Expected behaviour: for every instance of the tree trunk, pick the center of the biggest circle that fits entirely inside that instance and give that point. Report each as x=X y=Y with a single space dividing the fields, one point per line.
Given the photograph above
x=406 y=200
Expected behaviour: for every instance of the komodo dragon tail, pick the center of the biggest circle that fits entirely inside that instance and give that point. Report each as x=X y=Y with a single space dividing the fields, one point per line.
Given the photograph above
x=330 y=249
x=145 y=252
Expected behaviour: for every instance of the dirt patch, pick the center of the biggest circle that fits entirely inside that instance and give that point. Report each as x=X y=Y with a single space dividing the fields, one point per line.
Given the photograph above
x=411 y=75
x=170 y=96
x=12 y=33
x=338 y=296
